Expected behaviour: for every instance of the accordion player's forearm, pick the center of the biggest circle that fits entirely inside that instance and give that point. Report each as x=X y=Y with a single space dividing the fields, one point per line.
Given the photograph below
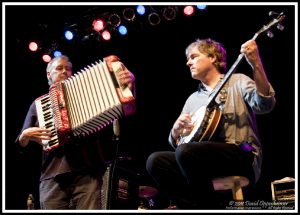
x=35 y=134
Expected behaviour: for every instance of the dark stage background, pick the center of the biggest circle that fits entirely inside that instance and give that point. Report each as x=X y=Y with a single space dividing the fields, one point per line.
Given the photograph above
x=155 y=54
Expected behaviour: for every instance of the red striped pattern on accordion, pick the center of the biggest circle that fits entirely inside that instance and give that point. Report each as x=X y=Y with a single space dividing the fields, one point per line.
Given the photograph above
x=83 y=104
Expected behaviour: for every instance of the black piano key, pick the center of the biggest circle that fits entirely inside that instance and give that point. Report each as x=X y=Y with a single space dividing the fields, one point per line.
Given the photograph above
x=46 y=107
x=47 y=113
x=52 y=142
x=49 y=124
x=47 y=118
x=44 y=100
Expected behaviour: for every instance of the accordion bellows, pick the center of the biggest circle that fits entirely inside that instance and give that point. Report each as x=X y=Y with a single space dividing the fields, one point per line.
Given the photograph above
x=84 y=103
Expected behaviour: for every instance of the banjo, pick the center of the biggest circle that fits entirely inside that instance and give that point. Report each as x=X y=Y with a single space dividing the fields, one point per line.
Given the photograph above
x=206 y=119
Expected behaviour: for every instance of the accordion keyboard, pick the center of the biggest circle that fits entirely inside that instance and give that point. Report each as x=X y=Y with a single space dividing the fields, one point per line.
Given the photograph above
x=45 y=118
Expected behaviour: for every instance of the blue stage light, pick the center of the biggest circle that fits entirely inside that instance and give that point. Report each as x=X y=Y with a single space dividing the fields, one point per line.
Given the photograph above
x=201 y=7
x=69 y=35
x=57 y=53
x=140 y=9
x=122 y=30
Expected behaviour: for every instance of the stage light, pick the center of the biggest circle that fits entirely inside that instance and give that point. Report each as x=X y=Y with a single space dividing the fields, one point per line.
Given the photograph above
x=70 y=31
x=57 y=53
x=114 y=20
x=69 y=35
x=188 y=10
x=122 y=30
x=169 y=13
x=46 y=58
x=33 y=46
x=154 y=18
x=201 y=7
x=129 y=14
x=140 y=9
x=98 y=25
x=106 y=35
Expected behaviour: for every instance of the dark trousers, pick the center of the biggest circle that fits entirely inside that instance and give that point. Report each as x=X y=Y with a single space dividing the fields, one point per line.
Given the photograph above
x=186 y=174
x=71 y=191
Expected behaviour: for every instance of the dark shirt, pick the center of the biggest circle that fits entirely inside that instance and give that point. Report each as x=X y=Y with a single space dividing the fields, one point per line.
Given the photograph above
x=81 y=154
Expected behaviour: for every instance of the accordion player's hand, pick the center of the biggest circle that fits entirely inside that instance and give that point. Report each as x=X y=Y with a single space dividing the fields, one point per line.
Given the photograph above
x=35 y=134
x=125 y=77
x=109 y=59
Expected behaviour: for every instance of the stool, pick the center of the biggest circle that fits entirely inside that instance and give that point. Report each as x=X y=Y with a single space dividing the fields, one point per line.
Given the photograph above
x=235 y=183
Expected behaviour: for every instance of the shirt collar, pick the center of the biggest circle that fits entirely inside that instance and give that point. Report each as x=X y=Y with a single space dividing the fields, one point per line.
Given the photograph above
x=201 y=87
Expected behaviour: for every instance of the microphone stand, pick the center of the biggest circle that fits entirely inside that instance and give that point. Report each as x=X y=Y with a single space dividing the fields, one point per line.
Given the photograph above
x=116 y=141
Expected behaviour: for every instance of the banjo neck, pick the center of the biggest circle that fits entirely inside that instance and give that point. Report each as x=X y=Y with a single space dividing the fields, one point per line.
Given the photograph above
x=266 y=28
x=211 y=100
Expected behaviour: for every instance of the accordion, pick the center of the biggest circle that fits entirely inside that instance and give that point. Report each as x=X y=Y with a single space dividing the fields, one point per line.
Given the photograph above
x=84 y=103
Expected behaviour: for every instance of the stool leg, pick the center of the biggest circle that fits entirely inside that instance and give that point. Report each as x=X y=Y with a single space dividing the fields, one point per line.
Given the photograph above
x=237 y=193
